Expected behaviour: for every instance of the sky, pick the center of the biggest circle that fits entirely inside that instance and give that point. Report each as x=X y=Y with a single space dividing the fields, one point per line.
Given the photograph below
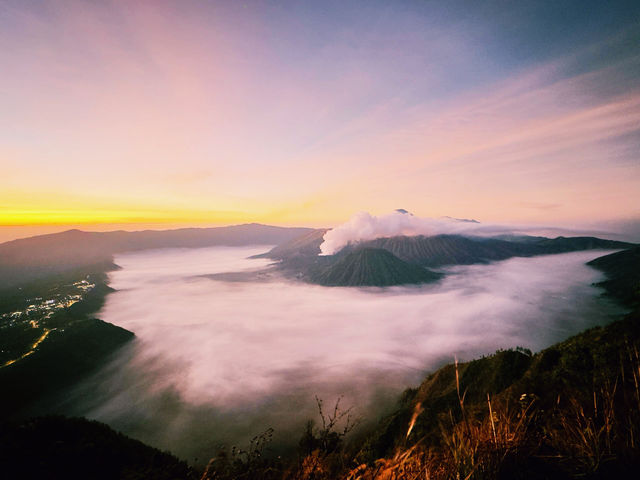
x=173 y=113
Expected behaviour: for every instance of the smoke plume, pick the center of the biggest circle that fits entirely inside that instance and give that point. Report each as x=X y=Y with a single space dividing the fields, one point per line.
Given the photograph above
x=364 y=226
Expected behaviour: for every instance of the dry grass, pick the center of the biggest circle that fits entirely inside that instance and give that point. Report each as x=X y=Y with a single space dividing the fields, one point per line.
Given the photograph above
x=577 y=438
x=590 y=435
x=586 y=433
x=470 y=448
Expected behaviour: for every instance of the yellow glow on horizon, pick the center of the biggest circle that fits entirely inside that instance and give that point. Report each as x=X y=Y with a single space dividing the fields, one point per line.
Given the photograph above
x=100 y=216
x=211 y=115
x=51 y=208
x=169 y=217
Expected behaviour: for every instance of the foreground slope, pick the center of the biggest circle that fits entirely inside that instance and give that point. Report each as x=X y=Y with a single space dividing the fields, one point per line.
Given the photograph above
x=570 y=411
x=70 y=449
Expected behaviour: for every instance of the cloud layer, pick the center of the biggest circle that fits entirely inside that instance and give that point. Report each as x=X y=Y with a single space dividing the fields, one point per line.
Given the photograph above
x=218 y=362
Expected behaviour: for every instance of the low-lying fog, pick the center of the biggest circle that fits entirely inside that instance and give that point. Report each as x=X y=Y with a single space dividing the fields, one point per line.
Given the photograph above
x=219 y=361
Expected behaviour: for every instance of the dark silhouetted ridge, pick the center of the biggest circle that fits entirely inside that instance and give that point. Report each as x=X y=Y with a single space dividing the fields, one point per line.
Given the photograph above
x=75 y=448
x=623 y=275
x=31 y=258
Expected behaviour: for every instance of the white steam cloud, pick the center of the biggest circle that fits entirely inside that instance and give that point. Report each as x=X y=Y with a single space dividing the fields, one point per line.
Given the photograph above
x=364 y=226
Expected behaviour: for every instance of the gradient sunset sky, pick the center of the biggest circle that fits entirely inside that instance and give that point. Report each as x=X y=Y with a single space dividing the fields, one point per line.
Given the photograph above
x=303 y=113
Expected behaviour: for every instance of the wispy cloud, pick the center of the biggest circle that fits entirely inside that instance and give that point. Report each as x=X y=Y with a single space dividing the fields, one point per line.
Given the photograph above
x=307 y=110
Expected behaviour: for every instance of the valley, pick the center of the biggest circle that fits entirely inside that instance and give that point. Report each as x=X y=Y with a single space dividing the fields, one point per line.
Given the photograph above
x=179 y=329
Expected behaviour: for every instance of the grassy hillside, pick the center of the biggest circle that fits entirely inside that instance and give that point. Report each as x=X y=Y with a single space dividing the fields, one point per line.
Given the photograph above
x=567 y=411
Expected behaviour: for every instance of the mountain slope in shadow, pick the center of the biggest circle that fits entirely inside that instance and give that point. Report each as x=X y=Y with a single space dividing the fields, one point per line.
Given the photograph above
x=372 y=267
x=75 y=448
x=623 y=275
x=300 y=257
x=36 y=257
x=442 y=250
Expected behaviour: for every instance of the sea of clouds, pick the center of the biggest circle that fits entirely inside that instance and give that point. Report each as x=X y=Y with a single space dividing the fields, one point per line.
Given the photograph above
x=216 y=362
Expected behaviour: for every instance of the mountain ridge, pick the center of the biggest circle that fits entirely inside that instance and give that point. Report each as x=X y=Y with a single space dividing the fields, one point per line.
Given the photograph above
x=30 y=258
x=300 y=257
x=440 y=250
x=372 y=267
x=623 y=275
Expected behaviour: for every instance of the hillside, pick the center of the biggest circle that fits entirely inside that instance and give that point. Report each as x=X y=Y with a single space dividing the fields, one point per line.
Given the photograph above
x=623 y=275
x=47 y=348
x=299 y=257
x=308 y=244
x=75 y=448
x=562 y=413
x=371 y=267
x=27 y=259
x=442 y=250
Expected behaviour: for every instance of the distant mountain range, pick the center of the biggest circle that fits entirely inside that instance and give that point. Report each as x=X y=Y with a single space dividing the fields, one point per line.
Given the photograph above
x=31 y=258
x=411 y=256
x=381 y=262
